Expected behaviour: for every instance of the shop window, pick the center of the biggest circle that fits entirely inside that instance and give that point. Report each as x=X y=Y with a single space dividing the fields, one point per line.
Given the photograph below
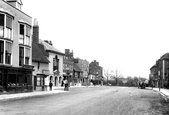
x=1 y=51
x=27 y=56
x=8 y=53
x=40 y=81
x=21 y=56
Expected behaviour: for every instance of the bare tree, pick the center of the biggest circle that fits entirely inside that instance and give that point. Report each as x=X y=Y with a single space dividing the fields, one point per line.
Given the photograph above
x=107 y=74
x=116 y=75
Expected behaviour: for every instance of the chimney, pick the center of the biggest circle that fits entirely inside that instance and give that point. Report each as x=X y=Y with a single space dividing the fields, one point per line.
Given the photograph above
x=67 y=51
x=35 y=31
x=49 y=42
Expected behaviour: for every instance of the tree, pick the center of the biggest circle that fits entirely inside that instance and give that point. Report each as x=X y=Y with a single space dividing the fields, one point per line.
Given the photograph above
x=116 y=75
x=107 y=74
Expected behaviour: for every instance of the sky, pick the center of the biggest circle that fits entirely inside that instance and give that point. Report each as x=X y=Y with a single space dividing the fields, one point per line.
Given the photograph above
x=128 y=35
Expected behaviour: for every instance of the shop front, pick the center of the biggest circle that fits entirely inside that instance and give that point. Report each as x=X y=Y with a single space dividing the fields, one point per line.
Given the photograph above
x=15 y=80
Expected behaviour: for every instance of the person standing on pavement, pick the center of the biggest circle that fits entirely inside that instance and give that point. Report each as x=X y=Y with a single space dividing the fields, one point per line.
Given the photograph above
x=50 y=85
x=66 y=85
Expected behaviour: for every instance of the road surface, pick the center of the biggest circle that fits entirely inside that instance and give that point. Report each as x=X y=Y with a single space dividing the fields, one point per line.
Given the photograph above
x=90 y=101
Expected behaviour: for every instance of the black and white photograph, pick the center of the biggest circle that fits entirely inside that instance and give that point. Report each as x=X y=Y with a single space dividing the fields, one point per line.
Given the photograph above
x=84 y=57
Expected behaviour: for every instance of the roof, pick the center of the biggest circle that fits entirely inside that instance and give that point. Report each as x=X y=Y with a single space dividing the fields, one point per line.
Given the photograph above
x=165 y=56
x=19 y=1
x=38 y=53
x=76 y=68
x=50 y=48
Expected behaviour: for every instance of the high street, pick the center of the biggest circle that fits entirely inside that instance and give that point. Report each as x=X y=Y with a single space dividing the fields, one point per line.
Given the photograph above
x=90 y=101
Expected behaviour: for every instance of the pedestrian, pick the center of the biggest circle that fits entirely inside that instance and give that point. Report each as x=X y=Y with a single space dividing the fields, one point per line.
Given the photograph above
x=50 y=85
x=66 y=85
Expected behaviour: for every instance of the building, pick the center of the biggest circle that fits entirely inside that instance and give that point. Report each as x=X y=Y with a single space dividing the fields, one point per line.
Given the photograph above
x=68 y=66
x=84 y=66
x=162 y=71
x=39 y=61
x=96 y=73
x=56 y=63
x=154 y=76
x=15 y=47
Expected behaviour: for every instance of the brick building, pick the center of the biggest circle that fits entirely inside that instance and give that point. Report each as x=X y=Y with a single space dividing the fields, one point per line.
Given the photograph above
x=96 y=73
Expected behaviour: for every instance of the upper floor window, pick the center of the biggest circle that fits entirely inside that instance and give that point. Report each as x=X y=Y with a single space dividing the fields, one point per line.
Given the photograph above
x=8 y=53
x=55 y=63
x=5 y=52
x=24 y=34
x=1 y=51
x=27 y=56
x=6 y=26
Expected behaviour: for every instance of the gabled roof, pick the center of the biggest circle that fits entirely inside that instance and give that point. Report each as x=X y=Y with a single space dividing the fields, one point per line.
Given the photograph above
x=50 y=48
x=38 y=53
x=76 y=68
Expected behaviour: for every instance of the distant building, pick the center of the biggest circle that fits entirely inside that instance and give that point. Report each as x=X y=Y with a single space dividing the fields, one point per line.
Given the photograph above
x=15 y=47
x=84 y=66
x=68 y=66
x=96 y=73
x=160 y=72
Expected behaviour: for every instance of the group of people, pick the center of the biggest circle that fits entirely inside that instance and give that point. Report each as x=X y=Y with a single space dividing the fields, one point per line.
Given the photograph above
x=65 y=83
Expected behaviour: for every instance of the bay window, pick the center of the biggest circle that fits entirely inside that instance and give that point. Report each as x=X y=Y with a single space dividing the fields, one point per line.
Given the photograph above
x=1 y=25
x=8 y=27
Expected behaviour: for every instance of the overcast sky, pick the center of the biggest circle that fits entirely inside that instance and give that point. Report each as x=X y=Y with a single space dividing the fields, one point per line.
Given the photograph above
x=129 y=35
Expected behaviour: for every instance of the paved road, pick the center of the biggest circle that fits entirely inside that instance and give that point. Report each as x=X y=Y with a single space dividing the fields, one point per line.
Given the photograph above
x=90 y=101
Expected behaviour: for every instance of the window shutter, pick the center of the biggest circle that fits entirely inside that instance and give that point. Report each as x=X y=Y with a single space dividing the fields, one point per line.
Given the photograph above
x=8 y=22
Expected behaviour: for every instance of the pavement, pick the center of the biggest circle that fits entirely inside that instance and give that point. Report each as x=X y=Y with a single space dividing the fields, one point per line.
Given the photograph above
x=5 y=97
x=55 y=90
x=163 y=92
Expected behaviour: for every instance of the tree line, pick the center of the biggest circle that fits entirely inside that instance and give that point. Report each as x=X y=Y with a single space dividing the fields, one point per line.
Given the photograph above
x=115 y=78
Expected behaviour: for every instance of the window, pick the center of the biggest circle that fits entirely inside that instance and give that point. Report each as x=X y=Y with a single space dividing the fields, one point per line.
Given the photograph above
x=55 y=63
x=27 y=40
x=27 y=56
x=21 y=56
x=8 y=53
x=8 y=27
x=1 y=51
x=21 y=34
x=1 y=25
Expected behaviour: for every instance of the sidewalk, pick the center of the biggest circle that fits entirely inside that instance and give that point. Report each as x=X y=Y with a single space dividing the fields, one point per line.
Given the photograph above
x=6 y=97
x=163 y=92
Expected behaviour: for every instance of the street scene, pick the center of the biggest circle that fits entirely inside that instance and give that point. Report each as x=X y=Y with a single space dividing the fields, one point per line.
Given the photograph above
x=92 y=57
x=90 y=101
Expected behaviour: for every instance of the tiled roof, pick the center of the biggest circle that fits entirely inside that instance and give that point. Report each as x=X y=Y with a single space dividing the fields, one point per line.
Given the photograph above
x=38 y=53
x=50 y=48
x=76 y=68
